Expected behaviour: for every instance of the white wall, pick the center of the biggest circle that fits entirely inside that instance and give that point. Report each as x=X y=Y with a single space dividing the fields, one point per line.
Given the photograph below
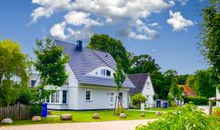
x=218 y=97
x=72 y=98
x=100 y=98
x=72 y=80
x=148 y=91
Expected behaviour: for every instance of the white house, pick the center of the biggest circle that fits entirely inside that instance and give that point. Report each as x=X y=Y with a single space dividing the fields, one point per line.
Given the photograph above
x=90 y=83
x=143 y=85
x=218 y=97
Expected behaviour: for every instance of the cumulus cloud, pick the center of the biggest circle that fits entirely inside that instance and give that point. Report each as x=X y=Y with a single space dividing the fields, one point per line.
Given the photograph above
x=58 y=30
x=89 y=13
x=178 y=22
x=48 y=8
x=80 y=18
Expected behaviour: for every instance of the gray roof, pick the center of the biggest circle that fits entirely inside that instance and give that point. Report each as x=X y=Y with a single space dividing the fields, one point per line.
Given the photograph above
x=85 y=61
x=138 y=81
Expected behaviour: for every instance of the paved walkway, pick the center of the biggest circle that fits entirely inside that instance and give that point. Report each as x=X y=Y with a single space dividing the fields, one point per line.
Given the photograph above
x=110 y=125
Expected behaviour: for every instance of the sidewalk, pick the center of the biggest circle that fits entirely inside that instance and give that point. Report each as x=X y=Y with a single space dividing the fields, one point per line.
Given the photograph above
x=110 y=125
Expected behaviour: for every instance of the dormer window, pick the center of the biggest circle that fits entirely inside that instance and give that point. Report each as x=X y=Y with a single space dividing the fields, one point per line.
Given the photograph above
x=105 y=73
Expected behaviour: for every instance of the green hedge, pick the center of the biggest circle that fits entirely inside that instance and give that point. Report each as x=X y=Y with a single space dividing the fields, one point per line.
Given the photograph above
x=188 y=117
x=196 y=100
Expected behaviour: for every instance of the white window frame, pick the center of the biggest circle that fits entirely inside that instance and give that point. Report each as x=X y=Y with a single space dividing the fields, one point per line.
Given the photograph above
x=103 y=72
x=56 y=95
x=91 y=95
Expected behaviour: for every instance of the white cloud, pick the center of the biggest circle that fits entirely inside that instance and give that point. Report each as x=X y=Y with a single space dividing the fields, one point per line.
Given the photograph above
x=178 y=22
x=182 y=2
x=88 y=13
x=80 y=18
x=58 y=31
x=155 y=24
x=48 y=7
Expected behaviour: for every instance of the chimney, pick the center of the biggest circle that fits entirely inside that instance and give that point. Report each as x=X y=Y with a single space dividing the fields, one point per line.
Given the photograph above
x=79 y=45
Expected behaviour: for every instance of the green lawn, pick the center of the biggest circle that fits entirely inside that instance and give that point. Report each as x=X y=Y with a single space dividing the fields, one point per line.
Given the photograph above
x=86 y=116
x=169 y=109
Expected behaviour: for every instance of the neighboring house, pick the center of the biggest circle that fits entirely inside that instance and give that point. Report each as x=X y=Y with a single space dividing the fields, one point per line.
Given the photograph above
x=90 y=84
x=143 y=85
x=217 y=97
x=187 y=91
x=34 y=80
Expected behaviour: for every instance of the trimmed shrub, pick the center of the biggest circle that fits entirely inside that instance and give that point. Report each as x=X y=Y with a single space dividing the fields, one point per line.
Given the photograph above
x=196 y=100
x=137 y=99
x=36 y=109
x=188 y=117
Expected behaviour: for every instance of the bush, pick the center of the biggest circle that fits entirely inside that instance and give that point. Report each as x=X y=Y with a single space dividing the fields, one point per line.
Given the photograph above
x=36 y=109
x=188 y=117
x=196 y=100
x=25 y=96
x=137 y=99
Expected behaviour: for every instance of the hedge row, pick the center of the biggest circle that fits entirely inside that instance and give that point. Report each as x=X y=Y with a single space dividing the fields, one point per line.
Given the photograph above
x=196 y=100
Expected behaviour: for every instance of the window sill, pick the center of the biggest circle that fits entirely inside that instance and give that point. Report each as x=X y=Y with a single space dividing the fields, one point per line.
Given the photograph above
x=57 y=103
x=88 y=101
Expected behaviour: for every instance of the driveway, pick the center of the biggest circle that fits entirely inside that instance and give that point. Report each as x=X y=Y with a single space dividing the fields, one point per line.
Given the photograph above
x=110 y=125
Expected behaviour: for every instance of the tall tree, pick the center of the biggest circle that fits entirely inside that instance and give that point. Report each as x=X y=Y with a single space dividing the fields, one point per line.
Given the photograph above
x=13 y=67
x=210 y=32
x=119 y=78
x=50 y=64
x=142 y=64
x=176 y=91
x=203 y=83
x=108 y=44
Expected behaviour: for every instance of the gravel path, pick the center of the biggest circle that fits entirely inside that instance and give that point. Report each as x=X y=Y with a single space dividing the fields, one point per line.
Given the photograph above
x=110 y=125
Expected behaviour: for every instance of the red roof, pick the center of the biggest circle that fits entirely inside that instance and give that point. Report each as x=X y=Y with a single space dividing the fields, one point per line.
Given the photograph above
x=189 y=92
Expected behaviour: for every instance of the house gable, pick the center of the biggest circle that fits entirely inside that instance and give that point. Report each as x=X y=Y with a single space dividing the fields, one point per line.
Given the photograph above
x=72 y=80
x=148 y=87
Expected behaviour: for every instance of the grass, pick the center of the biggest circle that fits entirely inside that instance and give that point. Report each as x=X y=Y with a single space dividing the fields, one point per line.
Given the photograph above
x=169 y=109
x=86 y=116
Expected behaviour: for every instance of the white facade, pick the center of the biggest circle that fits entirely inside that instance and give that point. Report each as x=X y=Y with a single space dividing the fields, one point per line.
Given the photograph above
x=148 y=91
x=84 y=97
x=218 y=97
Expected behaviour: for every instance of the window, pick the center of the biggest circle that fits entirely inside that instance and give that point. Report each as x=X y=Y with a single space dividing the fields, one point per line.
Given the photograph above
x=55 y=97
x=33 y=83
x=64 y=96
x=105 y=72
x=121 y=95
x=108 y=73
x=88 y=95
x=111 y=97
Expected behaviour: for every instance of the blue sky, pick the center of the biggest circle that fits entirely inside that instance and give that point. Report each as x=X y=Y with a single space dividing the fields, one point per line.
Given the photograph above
x=165 y=29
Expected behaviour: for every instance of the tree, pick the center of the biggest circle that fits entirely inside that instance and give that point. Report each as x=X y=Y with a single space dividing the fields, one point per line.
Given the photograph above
x=50 y=64
x=119 y=78
x=210 y=32
x=142 y=64
x=13 y=71
x=203 y=82
x=176 y=91
x=137 y=99
x=114 y=47
x=162 y=82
